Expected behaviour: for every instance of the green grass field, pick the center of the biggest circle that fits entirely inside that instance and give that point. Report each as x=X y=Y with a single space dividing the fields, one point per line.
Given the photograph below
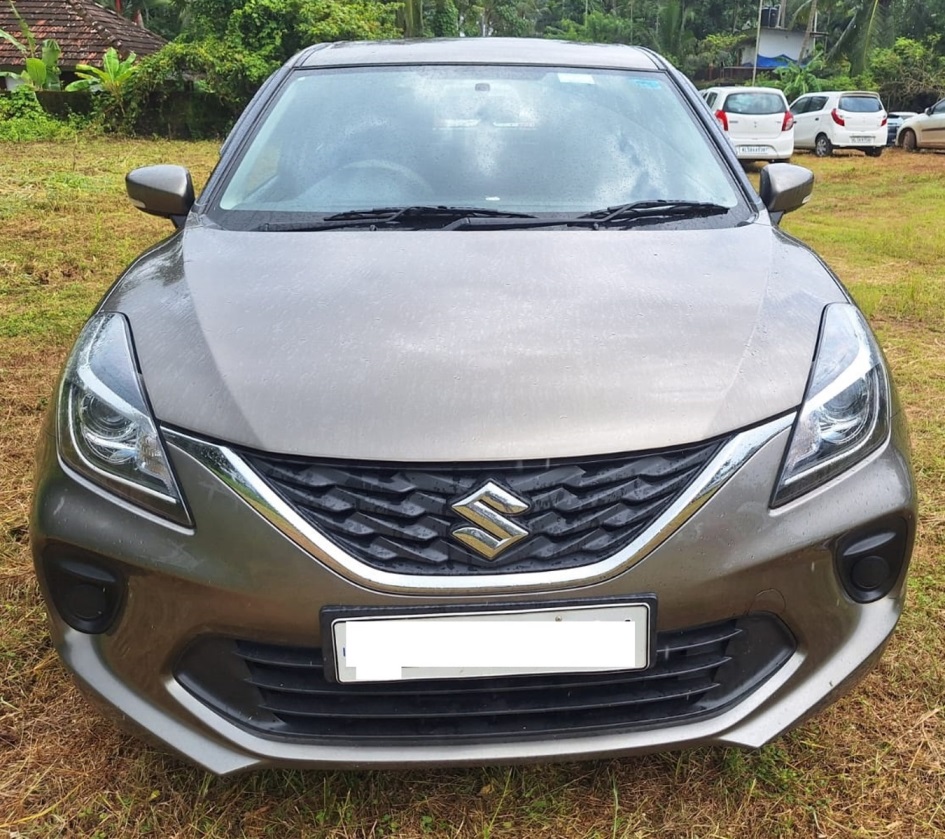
x=873 y=765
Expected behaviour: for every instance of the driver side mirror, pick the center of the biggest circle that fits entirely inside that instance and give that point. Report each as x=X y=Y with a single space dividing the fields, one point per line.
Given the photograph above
x=163 y=190
x=785 y=187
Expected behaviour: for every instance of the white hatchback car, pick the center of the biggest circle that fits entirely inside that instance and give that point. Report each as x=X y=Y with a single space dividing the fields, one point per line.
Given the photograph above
x=838 y=119
x=925 y=130
x=756 y=119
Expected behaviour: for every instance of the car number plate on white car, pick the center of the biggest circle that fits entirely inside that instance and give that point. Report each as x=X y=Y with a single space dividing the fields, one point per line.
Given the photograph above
x=860 y=138
x=571 y=639
x=753 y=149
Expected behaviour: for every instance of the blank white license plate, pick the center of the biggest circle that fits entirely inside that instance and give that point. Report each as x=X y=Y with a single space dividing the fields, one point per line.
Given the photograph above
x=753 y=149
x=462 y=645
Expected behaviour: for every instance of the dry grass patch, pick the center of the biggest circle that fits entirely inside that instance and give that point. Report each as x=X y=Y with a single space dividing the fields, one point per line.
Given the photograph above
x=873 y=765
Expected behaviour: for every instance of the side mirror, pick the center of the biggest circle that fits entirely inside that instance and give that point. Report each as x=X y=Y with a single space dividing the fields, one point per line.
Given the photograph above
x=166 y=191
x=785 y=187
x=929 y=109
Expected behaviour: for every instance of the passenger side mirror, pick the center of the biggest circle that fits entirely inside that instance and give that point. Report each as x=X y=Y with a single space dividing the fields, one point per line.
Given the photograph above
x=785 y=187
x=163 y=190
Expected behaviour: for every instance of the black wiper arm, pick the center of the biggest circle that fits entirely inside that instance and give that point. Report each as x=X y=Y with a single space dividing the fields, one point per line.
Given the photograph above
x=660 y=208
x=384 y=216
x=642 y=212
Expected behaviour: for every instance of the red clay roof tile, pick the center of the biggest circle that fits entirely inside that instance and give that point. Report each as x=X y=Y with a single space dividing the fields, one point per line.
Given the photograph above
x=82 y=28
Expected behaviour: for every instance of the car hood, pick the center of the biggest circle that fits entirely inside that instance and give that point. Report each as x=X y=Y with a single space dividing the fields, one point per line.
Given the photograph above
x=477 y=345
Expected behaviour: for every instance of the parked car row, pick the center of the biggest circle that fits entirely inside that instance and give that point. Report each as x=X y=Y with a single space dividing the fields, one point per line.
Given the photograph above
x=763 y=127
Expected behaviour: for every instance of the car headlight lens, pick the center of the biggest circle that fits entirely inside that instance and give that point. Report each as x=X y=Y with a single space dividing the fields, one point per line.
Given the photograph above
x=105 y=429
x=845 y=414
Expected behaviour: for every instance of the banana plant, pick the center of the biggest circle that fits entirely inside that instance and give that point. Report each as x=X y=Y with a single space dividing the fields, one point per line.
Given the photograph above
x=110 y=78
x=40 y=72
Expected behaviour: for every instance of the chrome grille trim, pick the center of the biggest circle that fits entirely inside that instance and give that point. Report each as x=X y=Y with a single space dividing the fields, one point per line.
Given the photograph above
x=234 y=472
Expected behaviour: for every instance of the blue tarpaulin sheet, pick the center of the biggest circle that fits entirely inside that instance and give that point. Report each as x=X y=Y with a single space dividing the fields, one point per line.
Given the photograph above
x=767 y=63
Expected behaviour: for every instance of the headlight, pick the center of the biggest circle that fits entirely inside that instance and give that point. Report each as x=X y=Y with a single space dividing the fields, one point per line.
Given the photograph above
x=105 y=428
x=845 y=414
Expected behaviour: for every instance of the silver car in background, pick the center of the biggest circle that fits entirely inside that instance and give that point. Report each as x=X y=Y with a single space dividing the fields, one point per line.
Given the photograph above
x=925 y=130
x=431 y=435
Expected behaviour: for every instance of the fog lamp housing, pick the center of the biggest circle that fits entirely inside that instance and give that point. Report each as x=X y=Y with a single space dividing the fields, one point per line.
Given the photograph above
x=870 y=560
x=85 y=592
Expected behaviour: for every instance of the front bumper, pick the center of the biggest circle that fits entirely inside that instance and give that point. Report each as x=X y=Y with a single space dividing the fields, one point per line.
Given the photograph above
x=238 y=575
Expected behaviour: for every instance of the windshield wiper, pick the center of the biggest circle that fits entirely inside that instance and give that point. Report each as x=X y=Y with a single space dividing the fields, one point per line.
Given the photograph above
x=383 y=216
x=622 y=215
x=468 y=218
x=655 y=209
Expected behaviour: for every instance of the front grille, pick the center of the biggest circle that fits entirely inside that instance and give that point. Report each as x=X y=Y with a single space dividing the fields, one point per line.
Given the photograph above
x=281 y=691
x=399 y=518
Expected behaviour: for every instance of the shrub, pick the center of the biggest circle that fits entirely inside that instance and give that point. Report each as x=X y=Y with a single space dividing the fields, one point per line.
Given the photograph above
x=192 y=90
x=22 y=118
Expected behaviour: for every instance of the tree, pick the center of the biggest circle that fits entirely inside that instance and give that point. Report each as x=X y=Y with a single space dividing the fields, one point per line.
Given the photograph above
x=910 y=74
x=672 y=36
x=445 y=23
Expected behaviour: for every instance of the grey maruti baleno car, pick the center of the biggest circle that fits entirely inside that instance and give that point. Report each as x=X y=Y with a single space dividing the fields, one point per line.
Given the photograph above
x=478 y=411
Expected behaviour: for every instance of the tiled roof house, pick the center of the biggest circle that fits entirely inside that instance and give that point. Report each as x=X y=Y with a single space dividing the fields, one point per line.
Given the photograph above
x=82 y=28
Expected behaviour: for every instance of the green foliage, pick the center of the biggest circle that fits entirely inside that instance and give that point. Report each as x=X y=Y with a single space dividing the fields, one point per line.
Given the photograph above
x=597 y=28
x=865 y=26
x=209 y=79
x=910 y=74
x=797 y=79
x=673 y=36
x=275 y=30
x=20 y=103
x=112 y=78
x=718 y=49
x=230 y=48
x=445 y=23
x=22 y=118
x=206 y=18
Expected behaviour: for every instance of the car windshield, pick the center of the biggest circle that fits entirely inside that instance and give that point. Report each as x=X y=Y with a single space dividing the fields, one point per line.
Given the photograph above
x=517 y=140
x=755 y=103
x=860 y=104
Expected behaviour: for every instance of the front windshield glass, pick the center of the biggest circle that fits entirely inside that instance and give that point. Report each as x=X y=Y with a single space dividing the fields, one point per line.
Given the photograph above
x=533 y=140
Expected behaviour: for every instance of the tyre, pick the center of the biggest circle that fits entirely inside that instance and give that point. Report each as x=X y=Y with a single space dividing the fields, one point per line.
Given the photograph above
x=909 y=142
x=874 y=152
x=822 y=146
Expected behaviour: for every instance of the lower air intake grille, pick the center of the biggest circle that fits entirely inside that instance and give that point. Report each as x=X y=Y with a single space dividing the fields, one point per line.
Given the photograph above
x=281 y=691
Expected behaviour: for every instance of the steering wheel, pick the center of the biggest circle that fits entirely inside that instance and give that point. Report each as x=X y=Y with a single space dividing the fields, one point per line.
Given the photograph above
x=392 y=171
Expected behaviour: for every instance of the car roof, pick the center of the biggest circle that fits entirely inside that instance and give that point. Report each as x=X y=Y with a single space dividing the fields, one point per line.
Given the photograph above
x=745 y=89
x=872 y=93
x=527 y=51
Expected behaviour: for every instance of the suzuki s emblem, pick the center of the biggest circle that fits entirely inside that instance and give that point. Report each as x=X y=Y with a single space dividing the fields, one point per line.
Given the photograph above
x=493 y=532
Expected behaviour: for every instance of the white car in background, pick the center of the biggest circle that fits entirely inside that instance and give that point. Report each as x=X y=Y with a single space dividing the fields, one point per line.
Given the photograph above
x=756 y=119
x=925 y=130
x=840 y=119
